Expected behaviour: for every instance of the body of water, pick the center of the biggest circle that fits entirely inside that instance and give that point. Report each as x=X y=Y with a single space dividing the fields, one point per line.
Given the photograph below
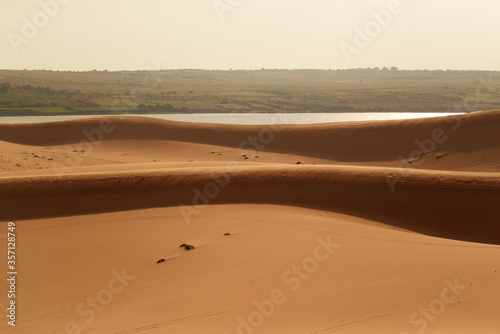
x=249 y=118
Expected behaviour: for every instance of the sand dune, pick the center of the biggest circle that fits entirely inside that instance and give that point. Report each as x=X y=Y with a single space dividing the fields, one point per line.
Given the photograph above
x=402 y=199
x=437 y=203
x=452 y=142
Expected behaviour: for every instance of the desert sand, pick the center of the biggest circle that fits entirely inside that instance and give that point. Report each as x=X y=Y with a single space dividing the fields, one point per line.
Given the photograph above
x=362 y=227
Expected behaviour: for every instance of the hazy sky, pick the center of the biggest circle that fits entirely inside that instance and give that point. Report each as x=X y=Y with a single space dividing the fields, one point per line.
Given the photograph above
x=250 y=34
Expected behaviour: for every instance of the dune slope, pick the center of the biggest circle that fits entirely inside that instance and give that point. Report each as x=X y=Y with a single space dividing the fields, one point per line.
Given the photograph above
x=401 y=210
x=357 y=169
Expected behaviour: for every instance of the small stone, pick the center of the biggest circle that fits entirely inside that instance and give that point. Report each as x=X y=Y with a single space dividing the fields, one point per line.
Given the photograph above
x=187 y=247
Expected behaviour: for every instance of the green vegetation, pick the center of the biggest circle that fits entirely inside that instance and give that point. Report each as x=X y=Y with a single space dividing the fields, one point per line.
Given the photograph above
x=202 y=91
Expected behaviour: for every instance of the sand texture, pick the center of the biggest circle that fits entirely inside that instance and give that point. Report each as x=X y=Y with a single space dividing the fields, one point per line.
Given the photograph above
x=361 y=227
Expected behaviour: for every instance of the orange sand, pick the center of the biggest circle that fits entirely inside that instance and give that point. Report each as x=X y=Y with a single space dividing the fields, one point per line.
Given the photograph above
x=383 y=227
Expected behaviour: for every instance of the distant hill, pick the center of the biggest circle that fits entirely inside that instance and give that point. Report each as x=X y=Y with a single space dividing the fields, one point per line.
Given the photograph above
x=37 y=92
